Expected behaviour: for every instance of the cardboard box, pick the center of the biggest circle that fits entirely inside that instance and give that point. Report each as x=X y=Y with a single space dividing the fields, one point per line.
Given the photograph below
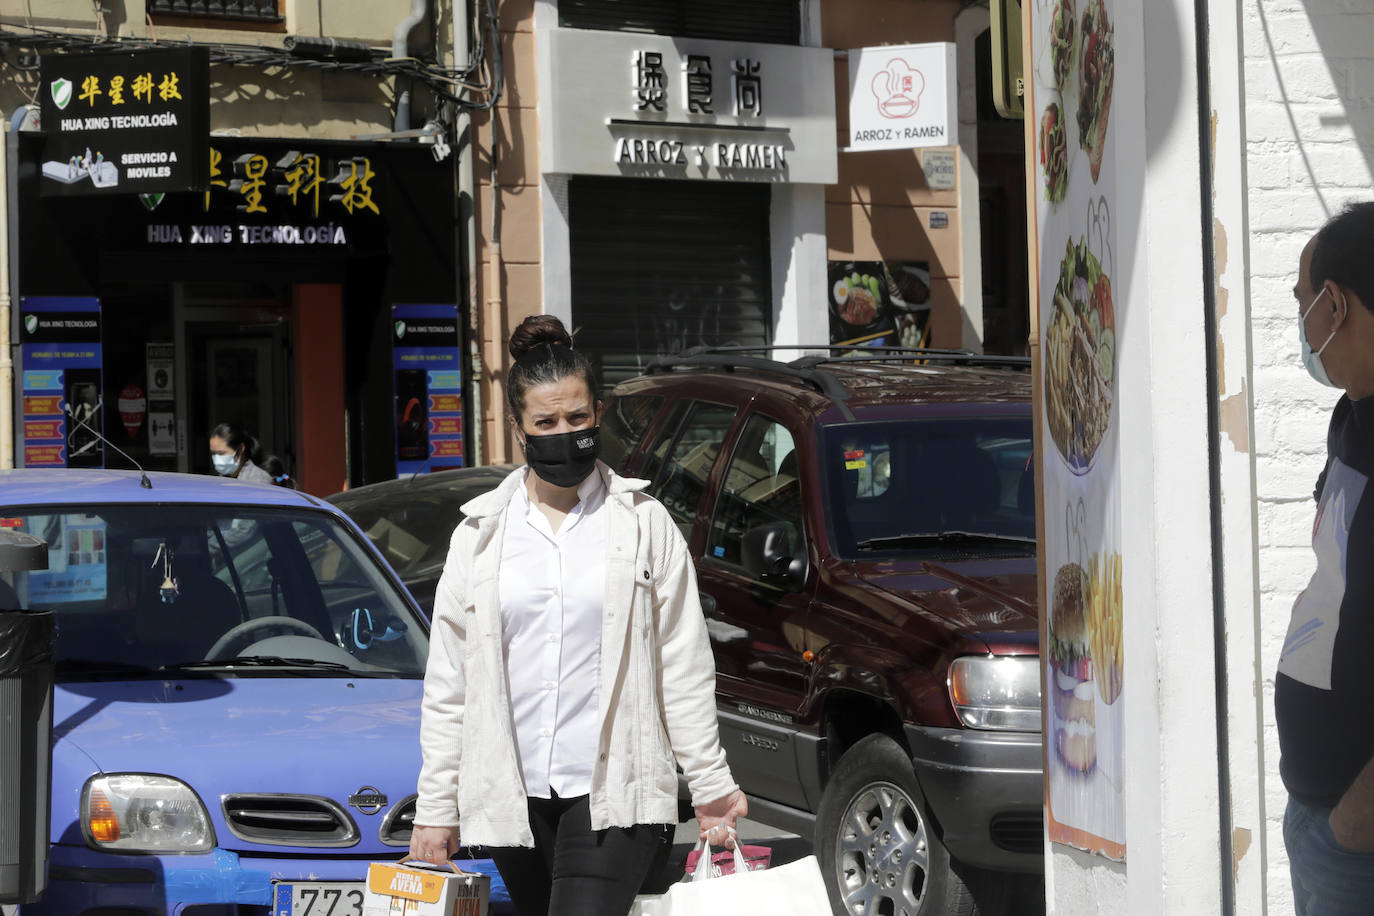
x=395 y=889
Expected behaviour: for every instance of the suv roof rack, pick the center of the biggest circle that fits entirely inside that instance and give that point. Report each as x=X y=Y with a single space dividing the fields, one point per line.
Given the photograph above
x=808 y=369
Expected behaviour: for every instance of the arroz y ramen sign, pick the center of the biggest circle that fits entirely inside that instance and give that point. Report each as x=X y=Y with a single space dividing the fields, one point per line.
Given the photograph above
x=902 y=97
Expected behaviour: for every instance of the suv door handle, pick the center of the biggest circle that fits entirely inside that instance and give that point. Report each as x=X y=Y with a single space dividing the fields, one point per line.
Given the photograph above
x=708 y=604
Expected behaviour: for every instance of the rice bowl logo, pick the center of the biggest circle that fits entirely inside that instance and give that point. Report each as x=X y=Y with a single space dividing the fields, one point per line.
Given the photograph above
x=61 y=91
x=898 y=88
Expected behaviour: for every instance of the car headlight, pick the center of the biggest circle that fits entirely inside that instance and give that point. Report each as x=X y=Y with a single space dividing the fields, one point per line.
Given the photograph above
x=135 y=812
x=997 y=692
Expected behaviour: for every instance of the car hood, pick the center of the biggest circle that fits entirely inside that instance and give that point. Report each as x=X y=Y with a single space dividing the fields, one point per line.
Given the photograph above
x=991 y=600
x=315 y=736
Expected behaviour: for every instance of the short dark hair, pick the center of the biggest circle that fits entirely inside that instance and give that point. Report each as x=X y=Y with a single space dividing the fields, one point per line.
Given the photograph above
x=1343 y=252
x=543 y=352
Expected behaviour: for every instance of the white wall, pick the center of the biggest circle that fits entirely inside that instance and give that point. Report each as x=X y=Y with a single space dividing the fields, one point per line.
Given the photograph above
x=1309 y=79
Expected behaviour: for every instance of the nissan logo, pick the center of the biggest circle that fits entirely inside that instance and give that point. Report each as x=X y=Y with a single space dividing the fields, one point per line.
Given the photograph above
x=368 y=800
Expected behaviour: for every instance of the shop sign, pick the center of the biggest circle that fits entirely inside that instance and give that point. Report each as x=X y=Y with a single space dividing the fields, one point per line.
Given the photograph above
x=429 y=388
x=59 y=340
x=902 y=97
x=125 y=123
x=300 y=188
x=646 y=105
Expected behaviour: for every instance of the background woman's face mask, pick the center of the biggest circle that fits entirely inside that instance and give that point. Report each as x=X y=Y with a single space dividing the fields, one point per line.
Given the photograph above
x=224 y=464
x=564 y=459
x=1312 y=359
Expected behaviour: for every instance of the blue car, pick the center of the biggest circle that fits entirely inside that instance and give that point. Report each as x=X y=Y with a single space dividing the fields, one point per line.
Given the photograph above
x=236 y=716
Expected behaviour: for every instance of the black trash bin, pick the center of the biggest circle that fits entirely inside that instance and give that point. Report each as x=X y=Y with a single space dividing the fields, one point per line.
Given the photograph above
x=26 y=679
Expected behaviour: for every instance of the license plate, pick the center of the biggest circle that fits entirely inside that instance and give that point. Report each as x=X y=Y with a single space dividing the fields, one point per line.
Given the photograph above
x=317 y=898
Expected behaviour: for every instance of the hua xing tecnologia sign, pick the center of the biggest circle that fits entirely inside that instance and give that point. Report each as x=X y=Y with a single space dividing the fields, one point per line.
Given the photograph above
x=127 y=122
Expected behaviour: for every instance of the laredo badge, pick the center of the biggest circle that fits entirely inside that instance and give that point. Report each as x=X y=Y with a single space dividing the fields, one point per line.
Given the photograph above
x=61 y=90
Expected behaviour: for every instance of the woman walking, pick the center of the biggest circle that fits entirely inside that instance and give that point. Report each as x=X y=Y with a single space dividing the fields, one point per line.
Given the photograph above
x=569 y=669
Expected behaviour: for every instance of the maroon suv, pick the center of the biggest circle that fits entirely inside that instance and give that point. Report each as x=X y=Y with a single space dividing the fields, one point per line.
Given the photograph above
x=864 y=534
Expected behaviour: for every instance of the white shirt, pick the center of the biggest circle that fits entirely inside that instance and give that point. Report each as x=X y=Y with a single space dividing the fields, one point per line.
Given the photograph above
x=552 y=589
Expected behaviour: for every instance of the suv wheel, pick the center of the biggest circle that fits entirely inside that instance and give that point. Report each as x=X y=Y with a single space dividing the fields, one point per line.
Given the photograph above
x=876 y=844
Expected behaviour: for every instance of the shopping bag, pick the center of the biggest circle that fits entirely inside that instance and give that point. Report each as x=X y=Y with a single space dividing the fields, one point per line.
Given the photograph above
x=418 y=888
x=756 y=858
x=794 y=889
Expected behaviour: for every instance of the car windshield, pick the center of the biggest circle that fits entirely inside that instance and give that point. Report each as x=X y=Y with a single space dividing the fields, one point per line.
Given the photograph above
x=950 y=484
x=154 y=590
x=412 y=525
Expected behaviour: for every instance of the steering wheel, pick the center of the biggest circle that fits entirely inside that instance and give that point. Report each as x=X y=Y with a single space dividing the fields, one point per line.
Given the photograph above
x=219 y=649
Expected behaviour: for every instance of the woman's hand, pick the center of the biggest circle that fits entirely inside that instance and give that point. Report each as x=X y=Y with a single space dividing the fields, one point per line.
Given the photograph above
x=719 y=816
x=435 y=845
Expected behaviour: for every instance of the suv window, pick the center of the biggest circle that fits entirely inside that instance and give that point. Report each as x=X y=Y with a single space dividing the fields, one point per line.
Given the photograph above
x=689 y=461
x=761 y=488
x=623 y=423
x=906 y=480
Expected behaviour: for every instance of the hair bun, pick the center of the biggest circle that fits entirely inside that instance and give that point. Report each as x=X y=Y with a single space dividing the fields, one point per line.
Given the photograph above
x=538 y=331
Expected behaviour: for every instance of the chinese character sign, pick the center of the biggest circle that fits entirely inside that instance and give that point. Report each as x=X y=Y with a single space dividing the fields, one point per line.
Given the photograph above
x=125 y=123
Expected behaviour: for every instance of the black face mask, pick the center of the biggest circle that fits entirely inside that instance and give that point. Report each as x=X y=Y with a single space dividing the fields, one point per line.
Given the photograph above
x=564 y=459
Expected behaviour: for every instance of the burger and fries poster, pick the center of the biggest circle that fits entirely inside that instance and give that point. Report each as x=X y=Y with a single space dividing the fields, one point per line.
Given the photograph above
x=1070 y=81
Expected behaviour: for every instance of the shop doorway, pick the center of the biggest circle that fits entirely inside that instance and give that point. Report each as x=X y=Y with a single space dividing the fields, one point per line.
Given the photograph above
x=238 y=369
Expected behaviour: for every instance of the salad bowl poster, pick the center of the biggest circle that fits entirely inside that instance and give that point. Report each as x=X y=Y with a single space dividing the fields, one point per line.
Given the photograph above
x=1073 y=197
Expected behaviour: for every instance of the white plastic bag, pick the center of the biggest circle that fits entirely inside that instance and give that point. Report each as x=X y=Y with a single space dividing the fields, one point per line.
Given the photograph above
x=794 y=889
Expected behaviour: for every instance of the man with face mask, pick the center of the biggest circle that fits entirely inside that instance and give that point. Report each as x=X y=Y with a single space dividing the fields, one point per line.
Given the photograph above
x=1324 y=690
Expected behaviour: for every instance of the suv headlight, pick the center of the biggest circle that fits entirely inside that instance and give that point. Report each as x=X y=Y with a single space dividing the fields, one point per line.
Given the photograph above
x=997 y=692
x=135 y=812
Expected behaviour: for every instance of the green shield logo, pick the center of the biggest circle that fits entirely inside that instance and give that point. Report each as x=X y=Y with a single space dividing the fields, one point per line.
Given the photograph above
x=31 y=323
x=151 y=200
x=61 y=90
x=400 y=329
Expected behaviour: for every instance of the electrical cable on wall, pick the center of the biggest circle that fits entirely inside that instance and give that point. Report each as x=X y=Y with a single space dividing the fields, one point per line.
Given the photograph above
x=451 y=87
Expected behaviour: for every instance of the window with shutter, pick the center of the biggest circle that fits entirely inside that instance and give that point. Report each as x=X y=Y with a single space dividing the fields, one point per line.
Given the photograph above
x=659 y=266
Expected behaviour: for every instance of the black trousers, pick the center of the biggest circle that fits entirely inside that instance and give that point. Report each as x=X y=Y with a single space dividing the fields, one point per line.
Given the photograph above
x=574 y=870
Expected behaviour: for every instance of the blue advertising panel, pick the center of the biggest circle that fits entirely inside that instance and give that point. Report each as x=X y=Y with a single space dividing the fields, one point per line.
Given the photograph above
x=429 y=388
x=59 y=339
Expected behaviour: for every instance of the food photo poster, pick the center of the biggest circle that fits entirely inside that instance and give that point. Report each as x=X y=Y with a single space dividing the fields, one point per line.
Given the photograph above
x=879 y=303
x=1071 y=83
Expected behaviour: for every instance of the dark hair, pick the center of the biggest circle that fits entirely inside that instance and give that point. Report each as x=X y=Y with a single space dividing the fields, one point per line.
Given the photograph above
x=543 y=353
x=235 y=437
x=277 y=468
x=1342 y=252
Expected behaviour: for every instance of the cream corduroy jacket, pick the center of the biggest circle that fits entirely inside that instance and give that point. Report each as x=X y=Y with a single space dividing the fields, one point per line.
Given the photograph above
x=657 y=691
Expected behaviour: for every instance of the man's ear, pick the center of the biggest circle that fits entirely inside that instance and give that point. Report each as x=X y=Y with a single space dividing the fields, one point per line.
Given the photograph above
x=1340 y=304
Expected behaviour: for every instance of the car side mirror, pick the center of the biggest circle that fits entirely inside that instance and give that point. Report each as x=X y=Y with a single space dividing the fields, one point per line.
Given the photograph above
x=766 y=552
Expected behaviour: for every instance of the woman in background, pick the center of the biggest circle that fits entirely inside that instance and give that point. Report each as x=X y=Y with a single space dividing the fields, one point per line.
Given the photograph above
x=234 y=453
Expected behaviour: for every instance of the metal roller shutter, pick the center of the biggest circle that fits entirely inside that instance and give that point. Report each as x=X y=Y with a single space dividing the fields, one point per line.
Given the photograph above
x=659 y=266
x=776 y=21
